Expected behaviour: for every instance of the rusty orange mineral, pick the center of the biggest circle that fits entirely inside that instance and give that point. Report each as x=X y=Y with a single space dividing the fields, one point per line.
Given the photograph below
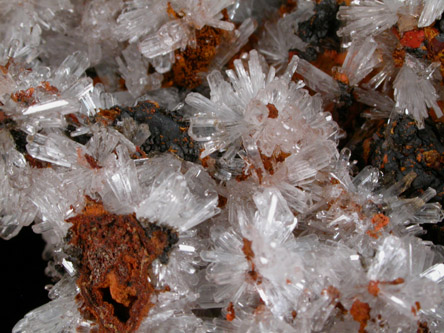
x=194 y=61
x=231 y=314
x=115 y=258
x=360 y=312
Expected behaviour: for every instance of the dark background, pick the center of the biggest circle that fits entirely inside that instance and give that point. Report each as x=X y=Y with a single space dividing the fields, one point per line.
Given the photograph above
x=22 y=276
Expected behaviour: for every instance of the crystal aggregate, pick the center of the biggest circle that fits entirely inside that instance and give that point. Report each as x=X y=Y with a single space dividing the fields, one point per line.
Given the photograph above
x=185 y=163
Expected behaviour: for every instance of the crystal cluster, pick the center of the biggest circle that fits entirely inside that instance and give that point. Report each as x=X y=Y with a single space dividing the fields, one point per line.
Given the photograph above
x=185 y=163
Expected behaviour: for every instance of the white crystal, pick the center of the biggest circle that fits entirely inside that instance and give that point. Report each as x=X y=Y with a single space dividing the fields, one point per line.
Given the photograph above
x=432 y=11
x=280 y=37
x=434 y=273
x=60 y=314
x=171 y=36
x=360 y=60
x=317 y=79
x=414 y=91
x=228 y=48
x=70 y=70
x=366 y=17
x=375 y=99
x=134 y=70
x=132 y=23
x=178 y=33
x=175 y=198
x=48 y=106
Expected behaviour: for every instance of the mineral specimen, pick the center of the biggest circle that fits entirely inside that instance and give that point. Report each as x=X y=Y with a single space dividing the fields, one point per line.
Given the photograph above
x=190 y=164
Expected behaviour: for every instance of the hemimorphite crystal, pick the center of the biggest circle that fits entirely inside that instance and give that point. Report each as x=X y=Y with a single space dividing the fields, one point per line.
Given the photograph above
x=272 y=227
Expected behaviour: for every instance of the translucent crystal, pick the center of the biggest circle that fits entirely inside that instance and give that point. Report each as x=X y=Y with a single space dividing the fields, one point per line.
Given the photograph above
x=171 y=36
x=228 y=48
x=60 y=314
x=53 y=212
x=257 y=9
x=70 y=70
x=178 y=33
x=16 y=209
x=138 y=134
x=134 y=70
x=389 y=263
x=206 y=12
x=169 y=321
x=7 y=85
x=132 y=23
x=414 y=91
x=365 y=18
x=317 y=79
x=57 y=105
x=121 y=181
x=434 y=273
x=168 y=98
x=360 y=60
x=266 y=231
x=54 y=148
x=280 y=37
x=375 y=99
x=239 y=110
x=177 y=199
x=432 y=11
x=163 y=63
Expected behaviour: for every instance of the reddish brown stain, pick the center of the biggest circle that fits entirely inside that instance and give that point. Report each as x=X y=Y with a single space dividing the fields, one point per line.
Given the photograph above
x=413 y=38
x=287 y=7
x=249 y=255
x=380 y=221
x=270 y=162
x=333 y=293
x=273 y=112
x=35 y=163
x=3 y=117
x=25 y=97
x=116 y=255
x=433 y=159
x=394 y=282
x=398 y=56
x=49 y=88
x=193 y=61
x=92 y=162
x=108 y=115
x=222 y=202
x=373 y=288
x=360 y=312
x=248 y=251
x=231 y=314
x=341 y=308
